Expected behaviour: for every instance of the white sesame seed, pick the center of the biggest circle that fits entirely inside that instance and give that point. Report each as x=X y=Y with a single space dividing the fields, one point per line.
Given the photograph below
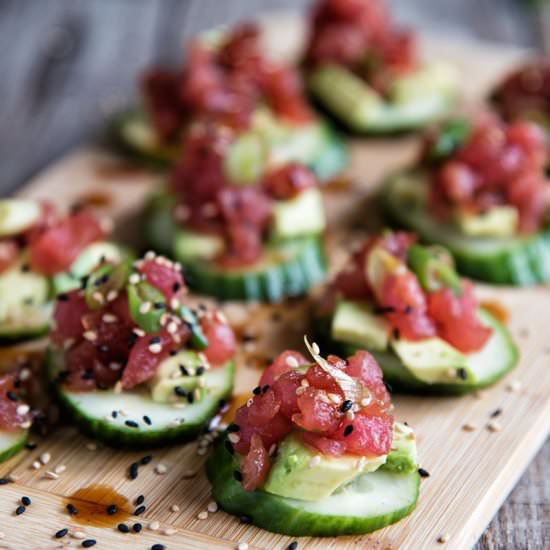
x=175 y=508
x=451 y=373
x=154 y=526
x=272 y=449
x=314 y=461
x=335 y=398
x=365 y=401
x=138 y=332
x=90 y=335
x=150 y=255
x=202 y=451
x=160 y=469
x=134 y=279
x=212 y=507
x=98 y=297
x=109 y=318
x=494 y=426
x=45 y=458
x=170 y=531
x=304 y=383
x=145 y=307
x=112 y=295
x=242 y=546
x=115 y=366
x=442 y=539
x=172 y=327
x=51 y=475
x=249 y=402
x=468 y=427
x=292 y=362
x=78 y=535
x=514 y=386
x=155 y=348
x=350 y=415
x=60 y=469
x=174 y=423
x=24 y=374
x=202 y=515
x=179 y=405
x=91 y=446
x=234 y=438
x=27 y=424
x=13 y=478
x=174 y=303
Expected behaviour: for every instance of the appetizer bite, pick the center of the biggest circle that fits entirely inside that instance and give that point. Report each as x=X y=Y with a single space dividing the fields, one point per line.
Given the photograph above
x=131 y=362
x=316 y=450
x=15 y=414
x=242 y=231
x=42 y=254
x=227 y=78
x=480 y=189
x=367 y=72
x=406 y=305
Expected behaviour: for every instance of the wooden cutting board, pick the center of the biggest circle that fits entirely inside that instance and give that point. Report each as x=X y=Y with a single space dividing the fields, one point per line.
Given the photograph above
x=471 y=471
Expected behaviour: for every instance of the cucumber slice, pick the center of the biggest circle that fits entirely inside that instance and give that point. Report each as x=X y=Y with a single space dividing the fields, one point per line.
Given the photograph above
x=414 y=101
x=519 y=261
x=370 y=502
x=132 y=134
x=485 y=367
x=30 y=322
x=288 y=268
x=11 y=443
x=92 y=411
x=17 y=215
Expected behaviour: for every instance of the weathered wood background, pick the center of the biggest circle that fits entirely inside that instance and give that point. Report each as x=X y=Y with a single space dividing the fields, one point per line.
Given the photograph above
x=66 y=64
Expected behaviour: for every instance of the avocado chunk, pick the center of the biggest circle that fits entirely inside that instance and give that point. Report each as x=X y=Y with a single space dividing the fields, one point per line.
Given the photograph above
x=22 y=292
x=17 y=215
x=296 y=473
x=179 y=378
x=85 y=263
x=498 y=221
x=355 y=322
x=302 y=215
x=402 y=457
x=191 y=246
x=432 y=360
x=246 y=159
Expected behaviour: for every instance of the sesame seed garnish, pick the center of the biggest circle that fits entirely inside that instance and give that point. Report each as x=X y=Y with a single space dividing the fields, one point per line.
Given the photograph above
x=88 y=542
x=245 y=519
x=112 y=509
x=79 y=535
x=131 y=424
x=494 y=426
x=468 y=427
x=293 y=545
x=514 y=386
x=11 y=396
x=4 y=481
x=314 y=461
x=237 y=475
x=202 y=515
x=347 y=430
x=112 y=295
x=109 y=318
x=155 y=348
x=350 y=415
x=160 y=469
x=423 y=472
x=154 y=526
x=234 y=438
x=257 y=390
x=133 y=471
x=71 y=508
x=212 y=507
x=174 y=508
x=442 y=539
x=145 y=307
x=22 y=409
x=139 y=510
x=169 y=531
x=188 y=474
x=158 y=547
x=147 y=420
x=36 y=465
x=92 y=446
x=242 y=546
x=90 y=335
x=249 y=402
x=233 y=428
x=346 y=405
x=45 y=458
x=26 y=501
x=462 y=373
x=496 y=412
x=123 y=528
x=137 y=527
x=20 y=510
x=61 y=533
x=134 y=279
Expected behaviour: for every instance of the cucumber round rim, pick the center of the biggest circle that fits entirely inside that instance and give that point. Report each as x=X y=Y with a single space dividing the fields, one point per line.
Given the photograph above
x=498 y=357
x=379 y=499
x=34 y=322
x=519 y=261
x=11 y=442
x=92 y=411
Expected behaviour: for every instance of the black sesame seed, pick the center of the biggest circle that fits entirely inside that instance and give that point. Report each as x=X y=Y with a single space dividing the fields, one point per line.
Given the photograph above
x=140 y=500
x=133 y=472
x=265 y=388
x=11 y=396
x=180 y=392
x=123 y=528
x=131 y=424
x=423 y=473
x=496 y=412
x=4 y=481
x=20 y=510
x=158 y=547
x=159 y=305
x=172 y=352
x=233 y=428
x=63 y=297
x=293 y=545
x=61 y=533
x=237 y=475
x=147 y=420
x=396 y=334
x=257 y=390
x=347 y=430
x=154 y=340
x=176 y=286
x=381 y=310
x=114 y=414
x=136 y=527
x=112 y=509
x=246 y=337
x=389 y=387
x=245 y=519
x=184 y=371
x=71 y=508
x=139 y=510
x=31 y=445
x=462 y=374
x=146 y=459
x=88 y=542
x=229 y=446
x=346 y=405
x=200 y=370
x=26 y=501
x=190 y=397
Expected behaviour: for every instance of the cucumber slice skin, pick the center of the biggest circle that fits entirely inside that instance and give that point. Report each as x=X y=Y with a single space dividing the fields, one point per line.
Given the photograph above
x=8 y=452
x=522 y=261
x=126 y=437
x=330 y=159
x=402 y=379
x=277 y=514
x=292 y=277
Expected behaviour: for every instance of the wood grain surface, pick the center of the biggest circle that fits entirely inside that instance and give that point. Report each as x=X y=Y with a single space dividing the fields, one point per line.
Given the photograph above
x=62 y=84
